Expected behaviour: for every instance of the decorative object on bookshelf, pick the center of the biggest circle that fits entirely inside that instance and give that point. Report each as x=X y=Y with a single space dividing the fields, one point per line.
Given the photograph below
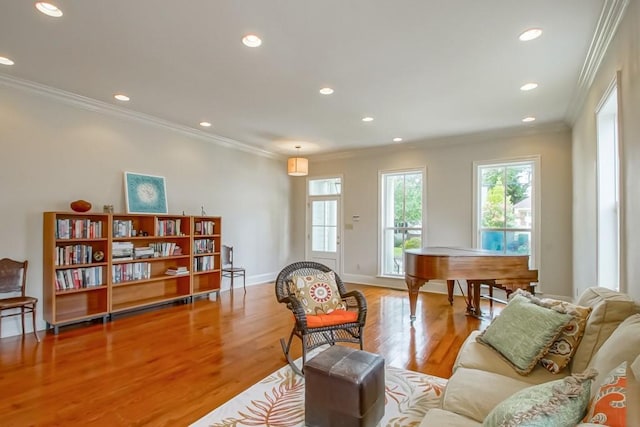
x=98 y=256
x=145 y=193
x=80 y=206
x=107 y=208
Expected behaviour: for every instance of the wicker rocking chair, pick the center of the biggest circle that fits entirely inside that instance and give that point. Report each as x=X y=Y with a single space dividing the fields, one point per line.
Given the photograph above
x=316 y=330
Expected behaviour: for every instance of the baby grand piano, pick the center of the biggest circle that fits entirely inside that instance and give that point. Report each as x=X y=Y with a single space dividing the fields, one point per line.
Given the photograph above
x=476 y=266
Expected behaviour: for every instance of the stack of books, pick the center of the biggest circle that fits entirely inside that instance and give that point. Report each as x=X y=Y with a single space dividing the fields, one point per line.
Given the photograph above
x=143 y=252
x=121 y=251
x=176 y=271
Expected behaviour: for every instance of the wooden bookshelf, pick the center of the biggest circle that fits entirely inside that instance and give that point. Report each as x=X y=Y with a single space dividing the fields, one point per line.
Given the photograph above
x=137 y=252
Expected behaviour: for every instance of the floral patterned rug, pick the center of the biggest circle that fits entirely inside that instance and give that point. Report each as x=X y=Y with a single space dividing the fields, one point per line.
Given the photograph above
x=278 y=401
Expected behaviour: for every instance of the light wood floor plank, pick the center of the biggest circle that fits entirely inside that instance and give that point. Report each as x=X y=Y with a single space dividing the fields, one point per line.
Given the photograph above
x=172 y=365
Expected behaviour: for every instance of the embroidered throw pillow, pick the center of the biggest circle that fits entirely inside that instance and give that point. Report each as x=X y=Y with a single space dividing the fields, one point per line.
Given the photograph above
x=524 y=331
x=609 y=404
x=554 y=403
x=318 y=293
x=564 y=347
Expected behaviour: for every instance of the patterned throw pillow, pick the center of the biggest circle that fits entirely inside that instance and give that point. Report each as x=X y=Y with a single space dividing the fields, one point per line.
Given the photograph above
x=609 y=405
x=554 y=403
x=524 y=331
x=318 y=293
x=564 y=347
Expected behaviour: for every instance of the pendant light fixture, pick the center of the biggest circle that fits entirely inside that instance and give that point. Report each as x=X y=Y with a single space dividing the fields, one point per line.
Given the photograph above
x=298 y=166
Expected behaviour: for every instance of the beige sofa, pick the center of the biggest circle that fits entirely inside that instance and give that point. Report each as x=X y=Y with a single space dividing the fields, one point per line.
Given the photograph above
x=482 y=379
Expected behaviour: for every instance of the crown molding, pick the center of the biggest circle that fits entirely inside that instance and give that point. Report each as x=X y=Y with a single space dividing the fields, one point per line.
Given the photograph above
x=101 y=107
x=610 y=18
x=469 y=138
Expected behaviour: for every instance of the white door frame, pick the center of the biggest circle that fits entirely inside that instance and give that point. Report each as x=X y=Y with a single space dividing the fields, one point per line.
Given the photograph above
x=309 y=254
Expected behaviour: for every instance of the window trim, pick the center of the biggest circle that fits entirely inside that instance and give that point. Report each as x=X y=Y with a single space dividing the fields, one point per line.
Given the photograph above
x=381 y=174
x=535 y=194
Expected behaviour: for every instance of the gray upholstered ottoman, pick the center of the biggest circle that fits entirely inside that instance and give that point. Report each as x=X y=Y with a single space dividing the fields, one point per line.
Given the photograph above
x=344 y=387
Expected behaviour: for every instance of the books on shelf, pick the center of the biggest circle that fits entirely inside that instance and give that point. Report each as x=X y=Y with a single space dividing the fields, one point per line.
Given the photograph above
x=176 y=271
x=78 y=229
x=122 y=251
x=204 y=263
x=169 y=227
x=131 y=271
x=204 y=246
x=205 y=227
x=122 y=228
x=77 y=278
x=73 y=254
x=143 y=252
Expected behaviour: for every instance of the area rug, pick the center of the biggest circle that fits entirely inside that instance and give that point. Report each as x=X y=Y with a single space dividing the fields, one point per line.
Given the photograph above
x=278 y=401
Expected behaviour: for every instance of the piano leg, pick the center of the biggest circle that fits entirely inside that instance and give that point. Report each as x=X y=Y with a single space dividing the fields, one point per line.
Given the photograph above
x=450 y=284
x=473 y=297
x=414 y=286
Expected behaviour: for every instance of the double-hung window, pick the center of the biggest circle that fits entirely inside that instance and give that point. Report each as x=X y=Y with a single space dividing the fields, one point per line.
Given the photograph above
x=506 y=202
x=402 y=210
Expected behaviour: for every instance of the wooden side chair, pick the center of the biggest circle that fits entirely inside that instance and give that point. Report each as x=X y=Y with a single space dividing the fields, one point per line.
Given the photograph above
x=13 y=280
x=323 y=311
x=231 y=271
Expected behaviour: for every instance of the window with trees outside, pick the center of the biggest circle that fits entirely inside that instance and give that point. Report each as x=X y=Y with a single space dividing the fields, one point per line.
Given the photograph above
x=402 y=207
x=506 y=207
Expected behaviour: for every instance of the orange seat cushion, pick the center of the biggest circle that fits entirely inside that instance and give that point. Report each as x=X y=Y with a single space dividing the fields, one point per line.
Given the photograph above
x=336 y=317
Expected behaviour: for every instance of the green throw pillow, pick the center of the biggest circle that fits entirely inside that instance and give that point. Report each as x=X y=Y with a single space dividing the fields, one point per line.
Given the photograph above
x=524 y=331
x=556 y=403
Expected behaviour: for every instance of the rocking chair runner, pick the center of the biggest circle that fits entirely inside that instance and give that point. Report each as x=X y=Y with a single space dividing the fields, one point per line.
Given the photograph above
x=316 y=330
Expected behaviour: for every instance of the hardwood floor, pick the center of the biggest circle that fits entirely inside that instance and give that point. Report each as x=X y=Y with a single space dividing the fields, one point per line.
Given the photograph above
x=172 y=365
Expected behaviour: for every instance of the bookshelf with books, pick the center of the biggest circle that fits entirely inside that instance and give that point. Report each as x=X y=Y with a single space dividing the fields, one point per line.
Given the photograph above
x=144 y=247
x=95 y=265
x=207 y=240
x=75 y=267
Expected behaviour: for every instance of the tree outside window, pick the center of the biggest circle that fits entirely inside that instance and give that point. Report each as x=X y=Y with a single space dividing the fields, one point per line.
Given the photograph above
x=505 y=207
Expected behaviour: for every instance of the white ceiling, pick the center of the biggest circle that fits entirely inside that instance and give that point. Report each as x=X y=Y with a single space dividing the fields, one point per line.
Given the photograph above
x=422 y=68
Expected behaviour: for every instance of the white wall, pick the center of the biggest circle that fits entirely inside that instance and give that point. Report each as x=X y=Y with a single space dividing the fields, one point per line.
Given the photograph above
x=450 y=198
x=53 y=152
x=622 y=55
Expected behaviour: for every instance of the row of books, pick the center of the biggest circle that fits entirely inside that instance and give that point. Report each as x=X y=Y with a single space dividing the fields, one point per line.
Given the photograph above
x=77 y=278
x=204 y=246
x=74 y=254
x=168 y=227
x=205 y=227
x=166 y=248
x=78 y=229
x=203 y=263
x=128 y=272
x=122 y=228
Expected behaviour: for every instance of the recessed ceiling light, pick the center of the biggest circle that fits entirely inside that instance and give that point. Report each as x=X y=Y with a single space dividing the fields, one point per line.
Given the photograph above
x=529 y=119
x=48 y=9
x=530 y=34
x=367 y=119
x=528 y=86
x=121 y=97
x=205 y=124
x=397 y=139
x=251 y=40
x=326 y=91
x=6 y=61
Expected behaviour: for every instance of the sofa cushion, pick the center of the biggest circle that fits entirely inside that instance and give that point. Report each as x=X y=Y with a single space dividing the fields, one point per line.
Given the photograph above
x=633 y=393
x=609 y=404
x=439 y=417
x=473 y=355
x=565 y=346
x=556 y=403
x=609 y=309
x=524 y=331
x=474 y=393
x=622 y=345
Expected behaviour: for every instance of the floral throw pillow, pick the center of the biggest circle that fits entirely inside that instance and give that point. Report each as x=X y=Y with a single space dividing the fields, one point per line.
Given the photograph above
x=609 y=405
x=564 y=347
x=318 y=293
